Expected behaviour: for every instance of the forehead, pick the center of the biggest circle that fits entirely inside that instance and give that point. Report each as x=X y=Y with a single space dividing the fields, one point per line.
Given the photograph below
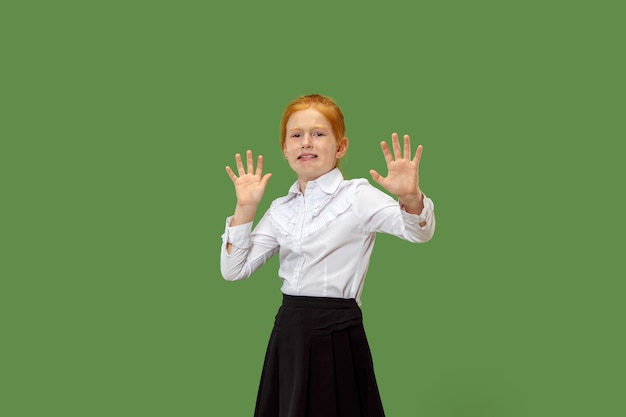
x=307 y=118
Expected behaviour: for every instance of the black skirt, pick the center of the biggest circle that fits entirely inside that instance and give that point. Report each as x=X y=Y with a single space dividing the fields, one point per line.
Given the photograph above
x=318 y=362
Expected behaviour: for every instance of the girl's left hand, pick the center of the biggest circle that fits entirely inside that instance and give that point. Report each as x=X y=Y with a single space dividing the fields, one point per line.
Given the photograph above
x=402 y=171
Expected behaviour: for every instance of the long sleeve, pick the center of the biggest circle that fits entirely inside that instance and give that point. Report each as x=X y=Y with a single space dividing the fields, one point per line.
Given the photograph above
x=381 y=213
x=324 y=238
x=249 y=250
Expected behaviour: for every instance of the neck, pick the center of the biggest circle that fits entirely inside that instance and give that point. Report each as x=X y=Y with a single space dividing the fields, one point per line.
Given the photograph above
x=302 y=186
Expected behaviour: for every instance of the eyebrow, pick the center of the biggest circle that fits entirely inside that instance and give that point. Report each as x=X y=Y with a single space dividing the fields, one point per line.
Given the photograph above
x=314 y=127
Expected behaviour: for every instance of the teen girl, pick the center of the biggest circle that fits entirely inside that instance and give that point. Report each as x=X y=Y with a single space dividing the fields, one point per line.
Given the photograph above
x=318 y=362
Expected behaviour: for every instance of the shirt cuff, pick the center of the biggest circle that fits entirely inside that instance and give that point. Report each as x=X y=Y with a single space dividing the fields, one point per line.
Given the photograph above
x=239 y=235
x=424 y=217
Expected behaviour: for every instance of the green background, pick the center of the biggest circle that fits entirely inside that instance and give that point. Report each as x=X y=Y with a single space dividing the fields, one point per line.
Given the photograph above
x=118 y=118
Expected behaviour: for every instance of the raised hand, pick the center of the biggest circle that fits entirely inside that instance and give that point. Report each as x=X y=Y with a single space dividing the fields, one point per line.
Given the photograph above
x=249 y=187
x=402 y=173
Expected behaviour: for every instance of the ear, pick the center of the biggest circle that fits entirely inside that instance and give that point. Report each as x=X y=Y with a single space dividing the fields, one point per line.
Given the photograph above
x=342 y=147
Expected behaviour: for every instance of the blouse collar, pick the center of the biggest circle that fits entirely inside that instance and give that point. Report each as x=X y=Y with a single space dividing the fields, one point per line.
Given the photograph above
x=328 y=183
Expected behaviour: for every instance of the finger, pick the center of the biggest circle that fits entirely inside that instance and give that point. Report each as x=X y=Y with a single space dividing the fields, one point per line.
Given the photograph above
x=407 y=147
x=231 y=174
x=249 y=161
x=386 y=152
x=265 y=179
x=259 y=165
x=418 y=154
x=240 y=169
x=396 y=146
x=375 y=175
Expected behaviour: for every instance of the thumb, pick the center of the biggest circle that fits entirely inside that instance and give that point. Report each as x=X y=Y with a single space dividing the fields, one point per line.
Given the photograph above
x=376 y=176
x=265 y=179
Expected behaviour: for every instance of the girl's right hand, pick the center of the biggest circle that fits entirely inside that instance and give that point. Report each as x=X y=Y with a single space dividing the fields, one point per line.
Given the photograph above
x=249 y=185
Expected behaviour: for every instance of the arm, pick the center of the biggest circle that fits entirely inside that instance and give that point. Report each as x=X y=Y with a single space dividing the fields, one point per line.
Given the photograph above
x=402 y=180
x=380 y=213
x=403 y=174
x=244 y=251
x=249 y=188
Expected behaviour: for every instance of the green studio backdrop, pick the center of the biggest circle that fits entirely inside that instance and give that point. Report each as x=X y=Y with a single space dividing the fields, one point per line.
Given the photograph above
x=118 y=119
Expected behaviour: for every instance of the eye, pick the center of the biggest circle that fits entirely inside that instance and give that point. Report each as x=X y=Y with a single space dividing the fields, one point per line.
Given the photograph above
x=295 y=135
x=318 y=133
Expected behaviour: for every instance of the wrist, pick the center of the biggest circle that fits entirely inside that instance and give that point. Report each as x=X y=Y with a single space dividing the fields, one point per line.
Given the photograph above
x=243 y=214
x=411 y=199
x=412 y=203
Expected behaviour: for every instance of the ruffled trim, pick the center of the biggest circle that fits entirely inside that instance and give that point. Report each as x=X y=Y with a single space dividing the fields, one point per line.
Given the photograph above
x=283 y=216
x=325 y=210
x=328 y=210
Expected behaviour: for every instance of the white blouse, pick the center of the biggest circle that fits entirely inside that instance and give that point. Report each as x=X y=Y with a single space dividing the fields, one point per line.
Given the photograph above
x=324 y=238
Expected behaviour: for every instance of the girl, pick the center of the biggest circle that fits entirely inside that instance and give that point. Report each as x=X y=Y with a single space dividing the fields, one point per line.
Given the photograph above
x=318 y=362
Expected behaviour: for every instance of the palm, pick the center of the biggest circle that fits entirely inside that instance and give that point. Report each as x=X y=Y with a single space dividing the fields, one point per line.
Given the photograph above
x=249 y=184
x=402 y=171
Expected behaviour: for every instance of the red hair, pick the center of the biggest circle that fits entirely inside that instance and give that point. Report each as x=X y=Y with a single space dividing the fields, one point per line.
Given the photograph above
x=322 y=104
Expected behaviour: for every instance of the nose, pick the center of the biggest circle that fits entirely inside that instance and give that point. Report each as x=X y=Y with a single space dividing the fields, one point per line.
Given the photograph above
x=306 y=141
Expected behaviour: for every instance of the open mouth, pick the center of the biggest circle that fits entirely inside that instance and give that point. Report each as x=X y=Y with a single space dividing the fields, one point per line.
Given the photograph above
x=307 y=156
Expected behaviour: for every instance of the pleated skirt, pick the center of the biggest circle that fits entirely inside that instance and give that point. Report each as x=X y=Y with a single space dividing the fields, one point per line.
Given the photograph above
x=318 y=362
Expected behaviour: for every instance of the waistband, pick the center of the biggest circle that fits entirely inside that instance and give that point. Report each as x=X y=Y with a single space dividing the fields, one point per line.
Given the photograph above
x=302 y=301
